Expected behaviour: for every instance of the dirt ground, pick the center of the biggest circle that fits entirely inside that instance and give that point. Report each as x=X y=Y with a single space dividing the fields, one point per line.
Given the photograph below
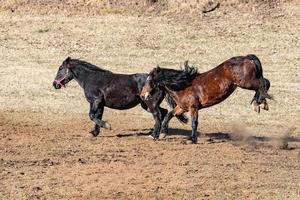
x=45 y=151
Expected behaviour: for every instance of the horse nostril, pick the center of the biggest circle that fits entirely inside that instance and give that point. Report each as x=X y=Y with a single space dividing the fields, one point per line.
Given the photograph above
x=56 y=86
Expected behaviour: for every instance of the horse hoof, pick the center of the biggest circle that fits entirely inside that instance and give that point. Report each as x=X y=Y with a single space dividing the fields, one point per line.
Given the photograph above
x=107 y=126
x=188 y=142
x=192 y=140
x=264 y=106
x=162 y=135
x=90 y=136
x=94 y=133
x=255 y=107
x=152 y=137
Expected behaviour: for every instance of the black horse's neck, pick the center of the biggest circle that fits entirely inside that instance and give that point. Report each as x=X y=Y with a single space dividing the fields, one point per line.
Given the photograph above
x=83 y=71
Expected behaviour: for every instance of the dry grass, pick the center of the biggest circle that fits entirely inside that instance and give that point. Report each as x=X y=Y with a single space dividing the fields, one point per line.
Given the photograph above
x=188 y=8
x=43 y=149
x=132 y=44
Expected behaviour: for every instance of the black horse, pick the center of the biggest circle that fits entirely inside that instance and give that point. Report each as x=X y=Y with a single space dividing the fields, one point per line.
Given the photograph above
x=103 y=88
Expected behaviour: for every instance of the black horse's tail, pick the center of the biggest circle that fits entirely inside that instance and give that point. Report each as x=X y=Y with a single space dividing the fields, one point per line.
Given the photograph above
x=182 y=118
x=264 y=84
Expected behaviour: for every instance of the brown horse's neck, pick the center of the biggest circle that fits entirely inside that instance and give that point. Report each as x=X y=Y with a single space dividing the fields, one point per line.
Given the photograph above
x=173 y=94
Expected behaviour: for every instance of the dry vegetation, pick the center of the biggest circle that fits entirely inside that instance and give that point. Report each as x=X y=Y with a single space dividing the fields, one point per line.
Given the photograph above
x=44 y=151
x=188 y=8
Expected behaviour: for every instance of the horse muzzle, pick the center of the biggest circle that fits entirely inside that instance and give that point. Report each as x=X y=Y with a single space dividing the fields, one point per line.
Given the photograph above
x=57 y=85
x=147 y=95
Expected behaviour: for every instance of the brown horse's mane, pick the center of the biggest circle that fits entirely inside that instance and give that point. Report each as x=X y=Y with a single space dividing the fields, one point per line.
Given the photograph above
x=175 y=79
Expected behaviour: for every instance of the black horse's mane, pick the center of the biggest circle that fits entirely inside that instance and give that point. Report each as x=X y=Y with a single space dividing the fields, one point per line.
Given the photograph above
x=176 y=79
x=87 y=65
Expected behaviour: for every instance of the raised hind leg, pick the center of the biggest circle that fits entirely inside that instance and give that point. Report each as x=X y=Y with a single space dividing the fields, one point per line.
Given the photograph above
x=260 y=98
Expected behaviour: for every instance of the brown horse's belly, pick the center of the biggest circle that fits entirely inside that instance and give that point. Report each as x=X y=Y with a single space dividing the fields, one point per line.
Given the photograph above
x=213 y=98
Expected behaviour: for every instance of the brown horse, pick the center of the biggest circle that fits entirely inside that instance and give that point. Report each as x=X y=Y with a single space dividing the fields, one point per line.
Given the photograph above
x=193 y=91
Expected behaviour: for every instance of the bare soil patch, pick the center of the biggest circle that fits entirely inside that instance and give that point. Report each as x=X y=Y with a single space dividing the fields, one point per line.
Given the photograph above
x=51 y=158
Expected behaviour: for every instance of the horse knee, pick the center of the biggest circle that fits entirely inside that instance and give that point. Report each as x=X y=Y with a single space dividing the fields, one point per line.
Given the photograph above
x=266 y=84
x=195 y=124
x=164 y=112
x=92 y=116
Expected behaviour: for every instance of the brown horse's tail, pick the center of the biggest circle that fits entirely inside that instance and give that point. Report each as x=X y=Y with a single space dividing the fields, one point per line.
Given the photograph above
x=258 y=67
x=264 y=84
x=182 y=118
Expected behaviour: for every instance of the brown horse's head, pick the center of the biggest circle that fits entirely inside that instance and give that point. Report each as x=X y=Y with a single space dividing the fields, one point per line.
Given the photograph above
x=63 y=75
x=151 y=83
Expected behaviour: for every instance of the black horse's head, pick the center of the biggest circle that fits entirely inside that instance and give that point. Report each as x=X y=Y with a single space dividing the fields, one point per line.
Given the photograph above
x=64 y=75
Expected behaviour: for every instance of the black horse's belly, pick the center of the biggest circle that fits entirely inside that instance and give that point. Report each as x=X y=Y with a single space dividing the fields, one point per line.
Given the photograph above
x=123 y=95
x=122 y=103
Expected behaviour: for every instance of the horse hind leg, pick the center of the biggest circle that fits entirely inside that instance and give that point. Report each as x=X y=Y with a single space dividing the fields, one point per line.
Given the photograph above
x=177 y=111
x=261 y=95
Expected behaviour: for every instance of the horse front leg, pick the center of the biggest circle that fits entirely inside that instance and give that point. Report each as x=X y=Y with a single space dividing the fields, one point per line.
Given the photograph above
x=165 y=125
x=194 y=135
x=158 y=115
x=95 y=114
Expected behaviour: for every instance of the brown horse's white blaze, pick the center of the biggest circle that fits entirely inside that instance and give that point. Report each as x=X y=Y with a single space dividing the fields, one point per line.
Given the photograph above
x=192 y=91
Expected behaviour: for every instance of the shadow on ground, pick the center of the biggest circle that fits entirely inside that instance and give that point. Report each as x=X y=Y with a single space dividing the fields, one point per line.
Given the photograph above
x=255 y=142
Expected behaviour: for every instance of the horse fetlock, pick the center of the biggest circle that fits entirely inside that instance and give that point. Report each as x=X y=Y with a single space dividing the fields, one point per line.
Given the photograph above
x=153 y=137
x=264 y=105
x=92 y=116
x=94 y=132
x=257 y=106
x=192 y=140
x=164 y=131
x=162 y=135
x=106 y=125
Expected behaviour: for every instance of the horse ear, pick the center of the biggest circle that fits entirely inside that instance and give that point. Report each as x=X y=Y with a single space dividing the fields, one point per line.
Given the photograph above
x=186 y=63
x=68 y=60
x=158 y=68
